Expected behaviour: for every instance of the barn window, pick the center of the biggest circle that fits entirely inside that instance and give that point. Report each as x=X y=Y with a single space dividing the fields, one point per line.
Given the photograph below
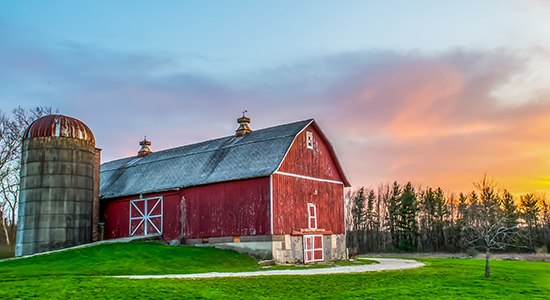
x=312 y=216
x=309 y=140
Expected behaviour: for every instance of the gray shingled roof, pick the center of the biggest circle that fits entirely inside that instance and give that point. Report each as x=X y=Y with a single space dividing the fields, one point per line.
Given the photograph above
x=258 y=153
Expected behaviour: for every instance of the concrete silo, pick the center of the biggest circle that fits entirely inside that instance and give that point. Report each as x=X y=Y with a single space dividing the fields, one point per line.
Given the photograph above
x=58 y=205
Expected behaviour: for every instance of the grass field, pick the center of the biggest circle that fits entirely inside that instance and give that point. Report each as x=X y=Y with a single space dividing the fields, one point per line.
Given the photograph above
x=79 y=274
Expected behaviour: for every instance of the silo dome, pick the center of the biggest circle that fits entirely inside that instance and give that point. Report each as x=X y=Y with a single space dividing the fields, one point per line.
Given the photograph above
x=58 y=203
x=59 y=126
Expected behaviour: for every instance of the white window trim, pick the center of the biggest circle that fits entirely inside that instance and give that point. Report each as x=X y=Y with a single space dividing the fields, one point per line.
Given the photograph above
x=309 y=137
x=309 y=216
x=312 y=236
x=146 y=217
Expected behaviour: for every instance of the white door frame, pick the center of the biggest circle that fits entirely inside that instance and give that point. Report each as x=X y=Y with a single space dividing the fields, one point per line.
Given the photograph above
x=313 y=249
x=146 y=216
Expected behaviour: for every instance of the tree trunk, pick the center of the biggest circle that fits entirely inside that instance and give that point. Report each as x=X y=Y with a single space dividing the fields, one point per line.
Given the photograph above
x=5 y=228
x=13 y=228
x=487 y=273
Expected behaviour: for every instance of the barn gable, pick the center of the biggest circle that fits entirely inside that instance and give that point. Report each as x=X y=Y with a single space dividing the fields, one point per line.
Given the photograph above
x=256 y=154
x=320 y=161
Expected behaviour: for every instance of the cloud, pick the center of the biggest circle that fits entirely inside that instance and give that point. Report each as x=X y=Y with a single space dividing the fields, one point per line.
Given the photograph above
x=433 y=118
x=530 y=84
x=428 y=118
x=434 y=121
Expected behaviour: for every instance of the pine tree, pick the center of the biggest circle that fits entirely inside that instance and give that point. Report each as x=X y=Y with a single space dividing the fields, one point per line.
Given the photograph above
x=509 y=209
x=393 y=208
x=406 y=220
x=529 y=212
x=440 y=215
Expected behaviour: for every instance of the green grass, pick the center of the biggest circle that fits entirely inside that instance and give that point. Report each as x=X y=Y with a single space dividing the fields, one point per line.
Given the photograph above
x=142 y=258
x=78 y=274
x=134 y=258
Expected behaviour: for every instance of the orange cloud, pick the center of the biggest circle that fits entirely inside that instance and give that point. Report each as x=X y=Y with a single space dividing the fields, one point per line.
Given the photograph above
x=435 y=122
x=433 y=118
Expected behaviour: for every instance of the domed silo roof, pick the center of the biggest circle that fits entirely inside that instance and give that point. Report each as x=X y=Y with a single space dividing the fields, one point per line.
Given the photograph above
x=59 y=126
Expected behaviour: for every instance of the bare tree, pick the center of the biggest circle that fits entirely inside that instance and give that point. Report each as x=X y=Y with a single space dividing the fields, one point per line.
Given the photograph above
x=3 y=223
x=489 y=236
x=359 y=215
x=382 y=200
x=8 y=156
x=11 y=137
x=485 y=229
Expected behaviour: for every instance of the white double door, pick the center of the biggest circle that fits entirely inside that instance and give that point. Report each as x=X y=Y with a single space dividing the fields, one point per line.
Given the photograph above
x=313 y=248
x=146 y=216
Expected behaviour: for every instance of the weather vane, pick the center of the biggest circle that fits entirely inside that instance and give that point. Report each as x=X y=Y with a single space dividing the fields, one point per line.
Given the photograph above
x=244 y=112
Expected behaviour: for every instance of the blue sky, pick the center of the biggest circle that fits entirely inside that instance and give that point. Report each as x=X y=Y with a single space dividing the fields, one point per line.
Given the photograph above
x=399 y=86
x=245 y=35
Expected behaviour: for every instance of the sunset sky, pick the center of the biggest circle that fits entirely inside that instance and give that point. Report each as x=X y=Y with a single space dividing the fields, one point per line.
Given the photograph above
x=433 y=92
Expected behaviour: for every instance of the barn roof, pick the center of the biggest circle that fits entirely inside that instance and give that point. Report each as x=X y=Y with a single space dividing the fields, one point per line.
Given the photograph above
x=255 y=154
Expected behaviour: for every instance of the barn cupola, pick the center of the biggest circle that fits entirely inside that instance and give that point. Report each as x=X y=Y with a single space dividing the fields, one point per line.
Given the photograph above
x=144 y=147
x=243 y=125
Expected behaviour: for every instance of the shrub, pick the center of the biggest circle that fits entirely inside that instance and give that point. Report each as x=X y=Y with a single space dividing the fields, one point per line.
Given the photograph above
x=6 y=251
x=472 y=252
x=352 y=252
x=541 y=254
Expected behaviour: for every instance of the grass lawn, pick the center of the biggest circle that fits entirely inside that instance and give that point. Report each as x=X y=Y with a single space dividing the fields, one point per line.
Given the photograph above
x=79 y=274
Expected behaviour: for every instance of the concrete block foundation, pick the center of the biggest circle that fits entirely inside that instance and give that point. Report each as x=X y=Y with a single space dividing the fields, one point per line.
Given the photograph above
x=282 y=249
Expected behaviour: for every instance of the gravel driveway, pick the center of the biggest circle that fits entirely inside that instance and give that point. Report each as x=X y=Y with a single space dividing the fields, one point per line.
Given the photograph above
x=384 y=264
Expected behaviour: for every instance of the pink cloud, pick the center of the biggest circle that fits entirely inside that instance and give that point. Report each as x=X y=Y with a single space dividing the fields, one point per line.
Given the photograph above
x=428 y=118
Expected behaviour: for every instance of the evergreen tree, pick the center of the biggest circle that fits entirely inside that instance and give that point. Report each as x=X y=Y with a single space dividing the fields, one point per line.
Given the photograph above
x=427 y=217
x=393 y=209
x=406 y=220
x=509 y=209
x=461 y=219
x=440 y=214
x=529 y=212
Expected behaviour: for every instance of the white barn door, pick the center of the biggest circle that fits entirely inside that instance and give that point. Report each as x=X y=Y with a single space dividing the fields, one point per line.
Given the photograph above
x=313 y=248
x=146 y=216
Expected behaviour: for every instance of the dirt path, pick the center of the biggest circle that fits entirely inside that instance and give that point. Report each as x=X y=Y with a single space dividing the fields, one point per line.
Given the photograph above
x=384 y=264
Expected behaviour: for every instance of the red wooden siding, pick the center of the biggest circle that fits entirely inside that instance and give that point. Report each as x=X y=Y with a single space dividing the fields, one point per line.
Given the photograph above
x=116 y=216
x=224 y=209
x=172 y=217
x=317 y=162
x=291 y=196
x=231 y=208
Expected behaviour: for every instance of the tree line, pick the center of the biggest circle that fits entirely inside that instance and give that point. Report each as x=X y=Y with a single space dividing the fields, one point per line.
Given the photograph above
x=395 y=217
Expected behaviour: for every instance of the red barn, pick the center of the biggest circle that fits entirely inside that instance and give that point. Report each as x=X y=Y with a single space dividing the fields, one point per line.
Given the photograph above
x=277 y=193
